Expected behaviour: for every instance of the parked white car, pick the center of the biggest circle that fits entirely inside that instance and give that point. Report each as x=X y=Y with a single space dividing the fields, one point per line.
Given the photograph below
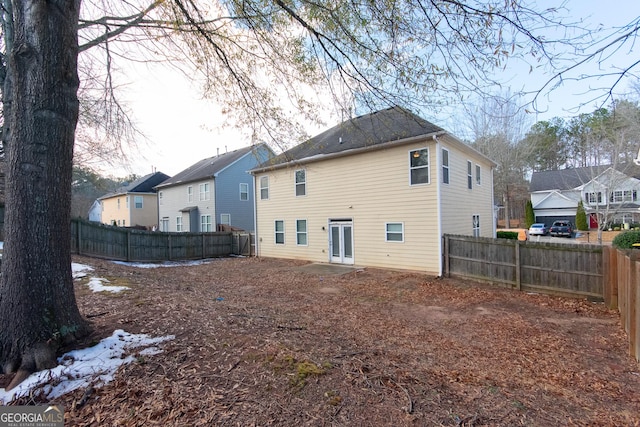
x=538 y=229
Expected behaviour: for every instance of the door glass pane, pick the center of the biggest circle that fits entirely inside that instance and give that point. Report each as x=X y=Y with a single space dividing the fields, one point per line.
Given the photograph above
x=348 y=247
x=335 y=241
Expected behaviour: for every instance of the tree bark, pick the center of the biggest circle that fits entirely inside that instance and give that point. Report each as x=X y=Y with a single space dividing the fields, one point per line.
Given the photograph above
x=38 y=310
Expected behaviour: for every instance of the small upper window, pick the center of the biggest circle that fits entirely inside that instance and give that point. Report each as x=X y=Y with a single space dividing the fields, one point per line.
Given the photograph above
x=445 y=166
x=160 y=197
x=419 y=169
x=204 y=191
x=190 y=194
x=264 y=187
x=137 y=200
x=301 y=182
x=478 y=178
x=244 y=191
x=469 y=175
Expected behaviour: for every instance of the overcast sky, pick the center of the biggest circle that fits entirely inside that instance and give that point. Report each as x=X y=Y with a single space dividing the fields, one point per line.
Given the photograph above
x=182 y=128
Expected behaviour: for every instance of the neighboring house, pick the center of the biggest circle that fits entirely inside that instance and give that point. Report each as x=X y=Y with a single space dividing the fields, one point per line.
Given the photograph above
x=95 y=212
x=608 y=194
x=378 y=190
x=215 y=193
x=134 y=204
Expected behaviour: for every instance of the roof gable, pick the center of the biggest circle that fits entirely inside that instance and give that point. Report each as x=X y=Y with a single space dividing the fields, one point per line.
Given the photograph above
x=568 y=179
x=555 y=200
x=144 y=184
x=209 y=167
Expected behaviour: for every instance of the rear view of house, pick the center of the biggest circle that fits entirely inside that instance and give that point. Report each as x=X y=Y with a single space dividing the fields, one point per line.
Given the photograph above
x=215 y=193
x=377 y=190
x=134 y=204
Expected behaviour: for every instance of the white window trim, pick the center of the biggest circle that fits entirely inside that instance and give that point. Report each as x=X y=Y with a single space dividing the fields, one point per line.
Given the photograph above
x=222 y=215
x=246 y=192
x=478 y=175
x=190 y=193
x=264 y=187
x=446 y=166
x=276 y=232
x=179 y=224
x=469 y=175
x=387 y=232
x=427 y=167
x=135 y=203
x=302 y=183
x=202 y=223
x=204 y=191
x=305 y=232
x=475 y=230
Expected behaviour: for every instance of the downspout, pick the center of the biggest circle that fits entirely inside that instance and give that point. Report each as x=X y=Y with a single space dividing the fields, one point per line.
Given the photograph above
x=493 y=208
x=439 y=202
x=255 y=216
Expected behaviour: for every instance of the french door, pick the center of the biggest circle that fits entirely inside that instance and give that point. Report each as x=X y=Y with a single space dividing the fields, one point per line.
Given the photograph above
x=341 y=241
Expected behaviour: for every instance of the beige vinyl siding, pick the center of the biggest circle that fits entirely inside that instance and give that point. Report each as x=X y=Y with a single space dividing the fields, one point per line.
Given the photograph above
x=459 y=203
x=111 y=213
x=372 y=189
x=148 y=215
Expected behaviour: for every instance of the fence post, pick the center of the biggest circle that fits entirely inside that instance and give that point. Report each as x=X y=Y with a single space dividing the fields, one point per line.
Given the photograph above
x=445 y=249
x=518 y=269
x=79 y=237
x=202 y=246
x=633 y=308
x=609 y=270
x=128 y=245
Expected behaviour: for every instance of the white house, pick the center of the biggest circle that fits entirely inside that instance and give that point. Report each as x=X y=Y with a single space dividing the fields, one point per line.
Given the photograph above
x=609 y=194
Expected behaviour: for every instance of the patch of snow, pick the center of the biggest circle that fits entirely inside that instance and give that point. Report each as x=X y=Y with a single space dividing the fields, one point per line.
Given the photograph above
x=96 y=285
x=79 y=270
x=164 y=264
x=94 y=366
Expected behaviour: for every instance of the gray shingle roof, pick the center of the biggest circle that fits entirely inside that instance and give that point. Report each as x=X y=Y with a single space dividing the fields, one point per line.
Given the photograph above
x=140 y=185
x=207 y=168
x=567 y=179
x=380 y=127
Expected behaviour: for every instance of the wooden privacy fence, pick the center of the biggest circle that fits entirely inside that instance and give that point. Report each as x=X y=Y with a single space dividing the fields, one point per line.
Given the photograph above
x=578 y=270
x=127 y=244
x=560 y=269
x=622 y=292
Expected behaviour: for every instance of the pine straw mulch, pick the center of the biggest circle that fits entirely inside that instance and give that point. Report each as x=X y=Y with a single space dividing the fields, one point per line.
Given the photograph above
x=262 y=342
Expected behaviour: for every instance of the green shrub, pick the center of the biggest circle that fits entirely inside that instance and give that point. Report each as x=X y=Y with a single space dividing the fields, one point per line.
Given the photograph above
x=513 y=235
x=530 y=216
x=625 y=240
x=581 y=218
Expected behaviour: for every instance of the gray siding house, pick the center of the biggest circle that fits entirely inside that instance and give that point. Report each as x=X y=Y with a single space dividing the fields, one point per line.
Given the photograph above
x=213 y=194
x=609 y=194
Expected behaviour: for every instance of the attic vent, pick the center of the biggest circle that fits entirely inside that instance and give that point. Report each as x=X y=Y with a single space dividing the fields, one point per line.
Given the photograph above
x=340 y=140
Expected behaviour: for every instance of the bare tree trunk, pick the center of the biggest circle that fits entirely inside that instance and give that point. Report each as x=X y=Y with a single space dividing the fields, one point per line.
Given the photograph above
x=38 y=310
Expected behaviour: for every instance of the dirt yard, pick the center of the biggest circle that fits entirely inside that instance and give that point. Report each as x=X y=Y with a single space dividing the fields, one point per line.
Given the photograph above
x=266 y=342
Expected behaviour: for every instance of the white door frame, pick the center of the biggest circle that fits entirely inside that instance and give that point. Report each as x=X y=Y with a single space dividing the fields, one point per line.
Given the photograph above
x=341 y=241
